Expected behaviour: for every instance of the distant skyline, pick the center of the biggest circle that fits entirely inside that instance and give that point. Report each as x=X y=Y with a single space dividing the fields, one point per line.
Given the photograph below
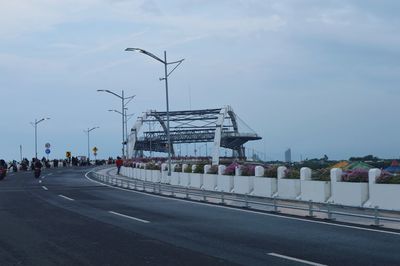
x=320 y=77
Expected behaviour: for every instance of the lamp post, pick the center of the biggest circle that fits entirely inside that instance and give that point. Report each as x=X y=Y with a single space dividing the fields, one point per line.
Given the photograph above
x=88 y=140
x=34 y=124
x=127 y=117
x=166 y=75
x=123 y=104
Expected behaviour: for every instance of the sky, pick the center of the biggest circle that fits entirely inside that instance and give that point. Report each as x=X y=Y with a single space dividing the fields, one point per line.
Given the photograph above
x=319 y=77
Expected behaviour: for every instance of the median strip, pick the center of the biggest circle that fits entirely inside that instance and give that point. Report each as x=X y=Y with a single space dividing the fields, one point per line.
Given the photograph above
x=129 y=217
x=295 y=259
x=65 y=197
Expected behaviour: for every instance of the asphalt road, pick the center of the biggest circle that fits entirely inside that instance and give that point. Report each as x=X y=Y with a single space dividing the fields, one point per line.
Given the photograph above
x=66 y=219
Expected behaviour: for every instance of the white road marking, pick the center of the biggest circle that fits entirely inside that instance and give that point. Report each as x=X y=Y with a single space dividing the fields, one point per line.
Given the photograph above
x=248 y=211
x=65 y=197
x=40 y=181
x=129 y=217
x=45 y=188
x=50 y=174
x=295 y=259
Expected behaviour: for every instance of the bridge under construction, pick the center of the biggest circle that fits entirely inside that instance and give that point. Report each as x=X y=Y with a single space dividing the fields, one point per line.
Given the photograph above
x=221 y=126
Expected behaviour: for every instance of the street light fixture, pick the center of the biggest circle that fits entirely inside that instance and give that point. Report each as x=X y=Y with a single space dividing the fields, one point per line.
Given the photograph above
x=166 y=75
x=123 y=99
x=34 y=124
x=88 y=140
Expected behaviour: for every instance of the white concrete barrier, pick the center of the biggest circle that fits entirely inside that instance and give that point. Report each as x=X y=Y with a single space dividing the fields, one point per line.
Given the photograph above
x=185 y=179
x=155 y=175
x=287 y=188
x=209 y=180
x=347 y=193
x=175 y=178
x=265 y=186
x=164 y=174
x=243 y=184
x=196 y=180
x=385 y=196
x=317 y=191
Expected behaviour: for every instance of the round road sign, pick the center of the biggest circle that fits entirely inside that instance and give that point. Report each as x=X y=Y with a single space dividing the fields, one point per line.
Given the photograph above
x=47 y=151
x=47 y=145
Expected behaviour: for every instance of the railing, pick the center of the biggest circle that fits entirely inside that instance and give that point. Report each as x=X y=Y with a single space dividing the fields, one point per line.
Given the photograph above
x=244 y=201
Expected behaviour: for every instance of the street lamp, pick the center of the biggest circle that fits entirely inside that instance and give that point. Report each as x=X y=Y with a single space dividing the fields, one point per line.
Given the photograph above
x=35 y=125
x=166 y=75
x=123 y=98
x=127 y=117
x=88 y=140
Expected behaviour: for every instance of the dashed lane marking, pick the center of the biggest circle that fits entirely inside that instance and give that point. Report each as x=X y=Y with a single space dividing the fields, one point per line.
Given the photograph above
x=45 y=188
x=65 y=197
x=129 y=217
x=296 y=259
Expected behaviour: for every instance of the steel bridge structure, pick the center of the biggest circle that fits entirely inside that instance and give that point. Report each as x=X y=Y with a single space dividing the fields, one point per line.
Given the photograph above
x=219 y=125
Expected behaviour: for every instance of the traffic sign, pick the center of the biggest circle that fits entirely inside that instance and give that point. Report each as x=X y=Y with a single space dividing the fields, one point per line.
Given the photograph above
x=95 y=149
x=47 y=151
x=68 y=154
x=47 y=145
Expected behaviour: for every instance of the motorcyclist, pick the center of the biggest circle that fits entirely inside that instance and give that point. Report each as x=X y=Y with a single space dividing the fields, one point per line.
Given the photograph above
x=13 y=165
x=38 y=168
x=3 y=169
x=38 y=164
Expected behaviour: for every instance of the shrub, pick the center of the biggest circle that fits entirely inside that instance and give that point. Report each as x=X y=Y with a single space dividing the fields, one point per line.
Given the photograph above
x=153 y=166
x=230 y=170
x=213 y=170
x=199 y=169
x=178 y=168
x=355 y=175
x=248 y=170
x=323 y=174
x=292 y=173
x=388 y=178
x=271 y=171
x=188 y=169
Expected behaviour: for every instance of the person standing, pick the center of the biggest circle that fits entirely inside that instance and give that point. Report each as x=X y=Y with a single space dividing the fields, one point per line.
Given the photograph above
x=119 y=163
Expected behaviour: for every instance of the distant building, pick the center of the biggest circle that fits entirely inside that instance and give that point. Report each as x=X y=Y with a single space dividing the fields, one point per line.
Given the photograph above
x=288 y=156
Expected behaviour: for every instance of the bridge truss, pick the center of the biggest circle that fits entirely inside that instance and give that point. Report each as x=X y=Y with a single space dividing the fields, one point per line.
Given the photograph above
x=220 y=126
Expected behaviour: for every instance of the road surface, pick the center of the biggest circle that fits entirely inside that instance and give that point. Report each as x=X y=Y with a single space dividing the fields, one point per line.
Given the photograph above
x=64 y=218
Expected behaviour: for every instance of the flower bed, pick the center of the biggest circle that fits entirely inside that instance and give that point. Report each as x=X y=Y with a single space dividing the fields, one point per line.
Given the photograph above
x=323 y=174
x=248 y=170
x=230 y=170
x=271 y=171
x=356 y=175
x=292 y=174
x=388 y=178
x=213 y=170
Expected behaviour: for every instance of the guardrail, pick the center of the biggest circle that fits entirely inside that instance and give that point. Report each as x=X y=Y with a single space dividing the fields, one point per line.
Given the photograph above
x=243 y=201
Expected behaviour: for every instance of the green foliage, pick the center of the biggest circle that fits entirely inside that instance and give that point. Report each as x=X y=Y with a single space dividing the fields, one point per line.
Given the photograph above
x=292 y=173
x=188 y=168
x=323 y=174
x=271 y=171
x=199 y=169
x=365 y=158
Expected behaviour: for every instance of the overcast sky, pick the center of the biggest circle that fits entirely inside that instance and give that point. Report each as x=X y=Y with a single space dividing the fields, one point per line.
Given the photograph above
x=320 y=77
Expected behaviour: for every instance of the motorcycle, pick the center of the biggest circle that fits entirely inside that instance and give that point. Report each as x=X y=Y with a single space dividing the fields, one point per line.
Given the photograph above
x=37 y=172
x=3 y=173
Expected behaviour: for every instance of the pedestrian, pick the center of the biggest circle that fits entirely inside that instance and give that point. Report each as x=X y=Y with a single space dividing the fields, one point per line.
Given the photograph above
x=119 y=163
